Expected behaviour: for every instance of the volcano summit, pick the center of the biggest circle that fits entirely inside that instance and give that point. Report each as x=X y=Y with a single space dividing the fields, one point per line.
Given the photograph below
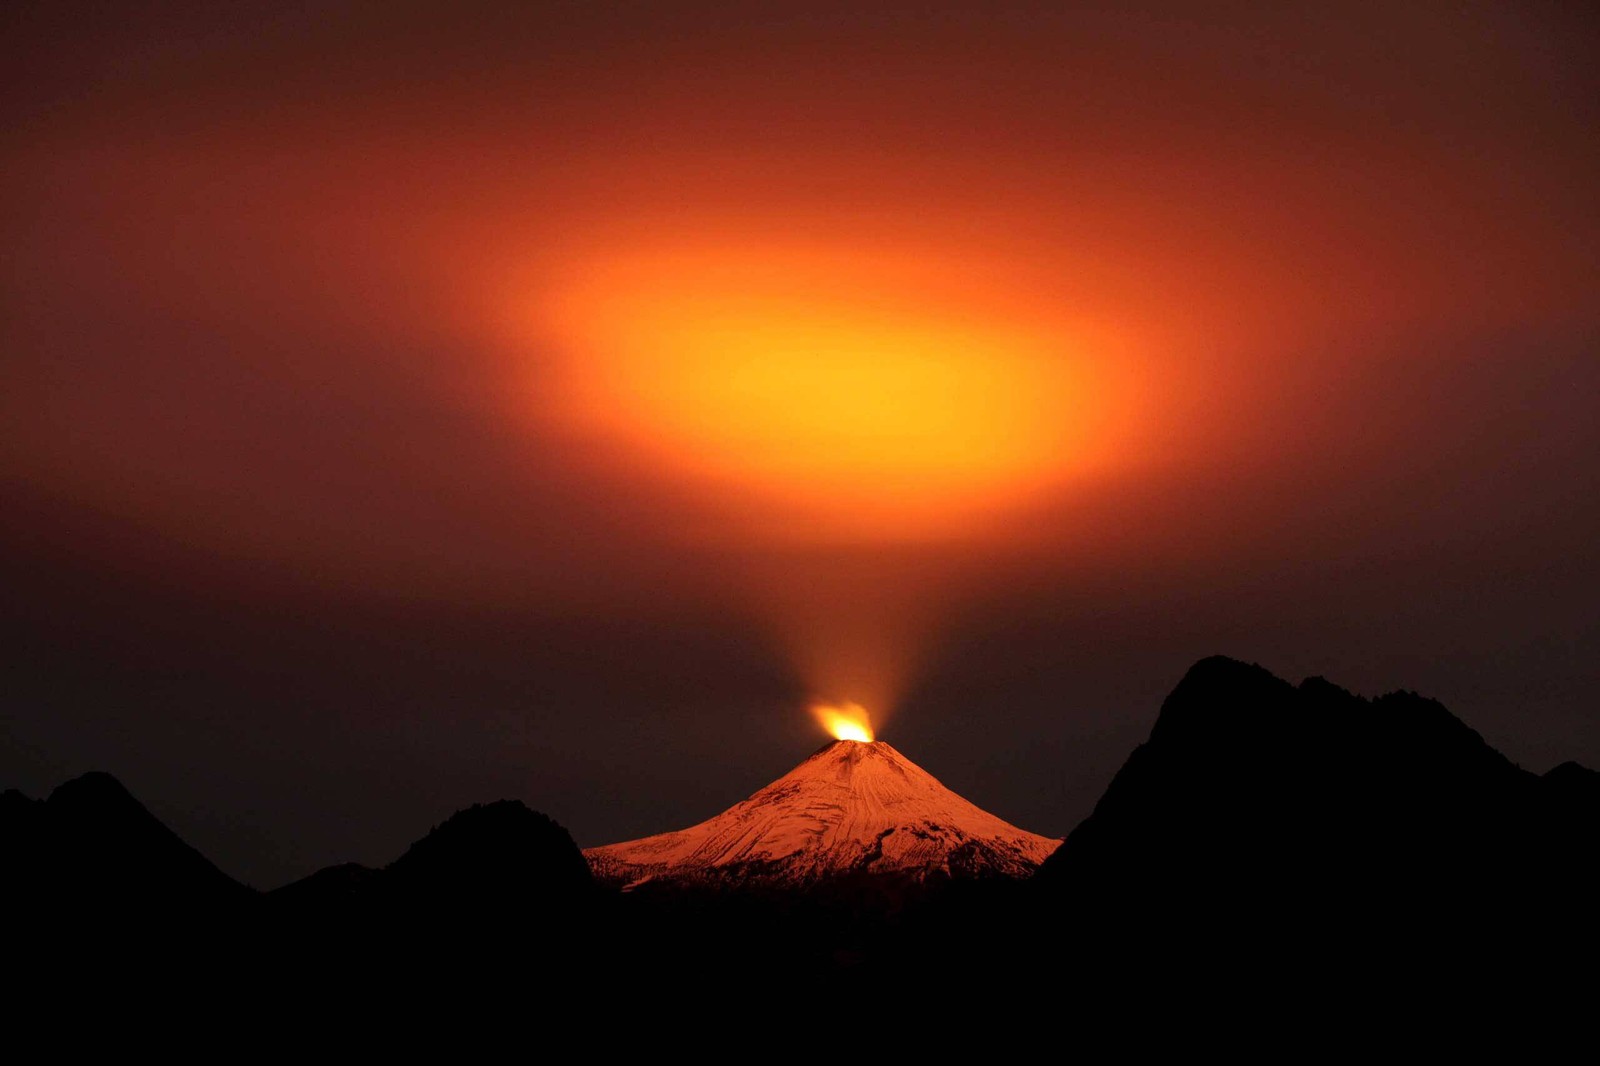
x=853 y=807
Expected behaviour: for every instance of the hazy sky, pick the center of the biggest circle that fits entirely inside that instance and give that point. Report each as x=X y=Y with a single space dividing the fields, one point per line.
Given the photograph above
x=402 y=406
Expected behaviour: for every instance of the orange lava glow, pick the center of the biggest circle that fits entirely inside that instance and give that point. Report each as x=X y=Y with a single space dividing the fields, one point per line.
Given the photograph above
x=844 y=721
x=849 y=321
x=867 y=392
x=841 y=392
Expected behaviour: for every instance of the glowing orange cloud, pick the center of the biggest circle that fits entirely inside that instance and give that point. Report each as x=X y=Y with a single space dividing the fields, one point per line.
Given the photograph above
x=844 y=721
x=864 y=393
x=837 y=392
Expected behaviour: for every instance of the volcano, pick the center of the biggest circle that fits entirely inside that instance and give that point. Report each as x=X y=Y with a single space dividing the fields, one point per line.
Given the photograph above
x=852 y=808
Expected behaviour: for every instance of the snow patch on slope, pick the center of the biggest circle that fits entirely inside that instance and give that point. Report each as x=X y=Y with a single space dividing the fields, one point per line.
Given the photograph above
x=852 y=807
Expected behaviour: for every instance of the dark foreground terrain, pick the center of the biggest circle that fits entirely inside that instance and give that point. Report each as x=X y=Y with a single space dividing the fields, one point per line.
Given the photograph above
x=1274 y=859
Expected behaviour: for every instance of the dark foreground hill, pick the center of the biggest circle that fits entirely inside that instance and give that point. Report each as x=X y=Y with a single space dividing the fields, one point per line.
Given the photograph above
x=1274 y=850
x=94 y=883
x=495 y=884
x=1270 y=833
x=94 y=854
x=497 y=859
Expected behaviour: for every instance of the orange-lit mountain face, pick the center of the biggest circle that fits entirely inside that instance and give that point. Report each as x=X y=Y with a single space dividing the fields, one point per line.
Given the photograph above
x=853 y=808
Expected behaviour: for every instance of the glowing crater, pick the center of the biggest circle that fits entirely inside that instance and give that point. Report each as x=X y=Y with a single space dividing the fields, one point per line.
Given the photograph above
x=845 y=721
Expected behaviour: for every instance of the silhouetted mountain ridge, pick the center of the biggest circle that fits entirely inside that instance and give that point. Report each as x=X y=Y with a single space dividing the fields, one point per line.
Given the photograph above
x=92 y=849
x=488 y=862
x=469 y=845
x=1262 y=813
x=1268 y=840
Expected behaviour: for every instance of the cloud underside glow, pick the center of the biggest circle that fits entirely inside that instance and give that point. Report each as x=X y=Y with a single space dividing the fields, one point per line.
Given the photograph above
x=831 y=393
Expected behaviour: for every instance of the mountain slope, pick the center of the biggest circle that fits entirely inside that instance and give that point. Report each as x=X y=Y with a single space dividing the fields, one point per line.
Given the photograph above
x=488 y=859
x=1275 y=817
x=851 y=808
x=93 y=849
x=494 y=884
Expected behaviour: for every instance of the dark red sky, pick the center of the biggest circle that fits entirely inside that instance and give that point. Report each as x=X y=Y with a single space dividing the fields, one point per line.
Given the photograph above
x=366 y=447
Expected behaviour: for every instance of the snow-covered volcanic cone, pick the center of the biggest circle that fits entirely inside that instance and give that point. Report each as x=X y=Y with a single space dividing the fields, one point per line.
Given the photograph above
x=853 y=807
